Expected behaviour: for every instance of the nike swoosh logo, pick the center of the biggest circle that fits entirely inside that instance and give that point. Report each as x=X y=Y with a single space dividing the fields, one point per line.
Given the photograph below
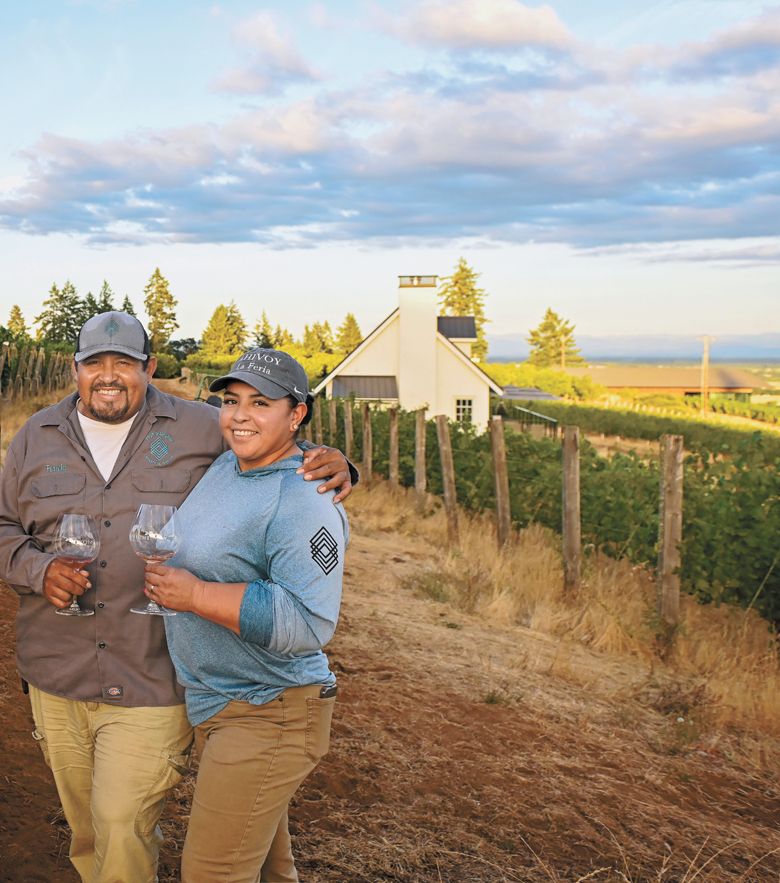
x=295 y=389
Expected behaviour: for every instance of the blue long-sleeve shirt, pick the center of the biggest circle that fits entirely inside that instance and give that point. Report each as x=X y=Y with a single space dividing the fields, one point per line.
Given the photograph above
x=273 y=530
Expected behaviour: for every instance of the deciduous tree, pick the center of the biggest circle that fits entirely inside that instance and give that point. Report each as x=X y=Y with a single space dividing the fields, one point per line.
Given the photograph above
x=460 y=296
x=552 y=343
x=160 y=306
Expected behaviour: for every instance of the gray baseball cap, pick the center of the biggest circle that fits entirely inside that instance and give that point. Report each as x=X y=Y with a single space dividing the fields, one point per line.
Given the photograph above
x=113 y=332
x=272 y=373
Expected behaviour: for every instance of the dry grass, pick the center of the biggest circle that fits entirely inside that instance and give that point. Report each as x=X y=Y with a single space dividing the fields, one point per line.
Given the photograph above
x=724 y=668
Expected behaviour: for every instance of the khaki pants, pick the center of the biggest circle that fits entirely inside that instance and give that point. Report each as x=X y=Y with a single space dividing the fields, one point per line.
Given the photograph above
x=113 y=768
x=252 y=760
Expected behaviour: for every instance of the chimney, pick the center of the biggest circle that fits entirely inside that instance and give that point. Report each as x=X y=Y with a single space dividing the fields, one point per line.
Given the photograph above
x=417 y=382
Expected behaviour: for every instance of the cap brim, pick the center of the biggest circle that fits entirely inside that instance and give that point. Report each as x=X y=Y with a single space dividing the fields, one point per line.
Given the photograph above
x=118 y=348
x=263 y=385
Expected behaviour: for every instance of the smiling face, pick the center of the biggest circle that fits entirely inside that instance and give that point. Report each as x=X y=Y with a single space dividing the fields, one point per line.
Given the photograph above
x=112 y=386
x=259 y=430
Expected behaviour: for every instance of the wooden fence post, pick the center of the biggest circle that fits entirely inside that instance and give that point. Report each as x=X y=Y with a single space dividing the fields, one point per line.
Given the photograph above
x=393 y=455
x=572 y=542
x=367 y=442
x=670 y=535
x=503 y=513
x=332 y=420
x=318 y=420
x=348 y=428
x=3 y=360
x=419 y=459
x=448 y=477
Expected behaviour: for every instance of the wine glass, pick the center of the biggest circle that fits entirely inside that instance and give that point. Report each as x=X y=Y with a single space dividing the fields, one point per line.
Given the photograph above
x=76 y=542
x=154 y=537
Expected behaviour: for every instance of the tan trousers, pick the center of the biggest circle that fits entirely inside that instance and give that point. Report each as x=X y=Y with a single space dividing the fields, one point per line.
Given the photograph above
x=252 y=760
x=113 y=768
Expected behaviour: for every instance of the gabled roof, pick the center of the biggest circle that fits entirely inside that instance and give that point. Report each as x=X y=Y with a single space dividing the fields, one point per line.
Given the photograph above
x=460 y=327
x=459 y=354
x=351 y=357
x=467 y=361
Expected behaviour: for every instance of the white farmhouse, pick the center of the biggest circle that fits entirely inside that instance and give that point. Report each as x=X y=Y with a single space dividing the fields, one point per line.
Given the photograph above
x=416 y=359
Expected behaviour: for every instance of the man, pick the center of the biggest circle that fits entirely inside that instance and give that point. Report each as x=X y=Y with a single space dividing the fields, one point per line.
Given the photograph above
x=107 y=708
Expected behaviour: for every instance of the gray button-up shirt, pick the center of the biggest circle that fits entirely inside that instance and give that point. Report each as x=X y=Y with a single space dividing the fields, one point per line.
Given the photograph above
x=113 y=656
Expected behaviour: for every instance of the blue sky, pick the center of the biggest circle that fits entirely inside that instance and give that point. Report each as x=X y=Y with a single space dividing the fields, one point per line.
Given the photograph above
x=618 y=162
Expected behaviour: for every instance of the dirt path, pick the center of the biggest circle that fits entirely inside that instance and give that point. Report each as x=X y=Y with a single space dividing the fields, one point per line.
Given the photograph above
x=462 y=752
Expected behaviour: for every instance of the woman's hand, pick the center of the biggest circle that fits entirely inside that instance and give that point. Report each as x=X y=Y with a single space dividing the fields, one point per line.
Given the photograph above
x=172 y=587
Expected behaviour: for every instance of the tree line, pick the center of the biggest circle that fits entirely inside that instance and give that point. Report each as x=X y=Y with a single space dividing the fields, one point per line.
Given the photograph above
x=227 y=333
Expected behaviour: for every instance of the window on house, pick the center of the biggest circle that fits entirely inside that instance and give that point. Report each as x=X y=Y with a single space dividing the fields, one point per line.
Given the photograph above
x=464 y=410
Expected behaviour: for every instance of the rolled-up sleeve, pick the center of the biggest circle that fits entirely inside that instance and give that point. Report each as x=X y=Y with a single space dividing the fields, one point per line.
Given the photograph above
x=295 y=611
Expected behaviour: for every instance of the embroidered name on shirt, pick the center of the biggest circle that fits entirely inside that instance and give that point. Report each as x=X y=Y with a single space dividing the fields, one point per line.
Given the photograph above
x=160 y=444
x=324 y=550
x=56 y=467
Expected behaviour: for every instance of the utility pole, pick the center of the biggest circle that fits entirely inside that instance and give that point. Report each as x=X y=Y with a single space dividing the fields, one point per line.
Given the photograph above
x=705 y=373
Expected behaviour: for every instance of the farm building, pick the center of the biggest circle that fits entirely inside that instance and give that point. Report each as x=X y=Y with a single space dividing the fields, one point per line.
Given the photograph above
x=723 y=380
x=417 y=359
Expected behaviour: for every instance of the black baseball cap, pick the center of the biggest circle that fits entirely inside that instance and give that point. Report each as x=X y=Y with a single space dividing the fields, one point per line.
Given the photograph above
x=272 y=373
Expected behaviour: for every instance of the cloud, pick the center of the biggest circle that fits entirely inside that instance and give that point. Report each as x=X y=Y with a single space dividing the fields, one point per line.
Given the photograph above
x=503 y=149
x=480 y=24
x=274 y=62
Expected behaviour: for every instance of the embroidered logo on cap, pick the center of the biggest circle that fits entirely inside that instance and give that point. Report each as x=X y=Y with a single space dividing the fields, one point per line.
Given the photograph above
x=324 y=550
x=111 y=327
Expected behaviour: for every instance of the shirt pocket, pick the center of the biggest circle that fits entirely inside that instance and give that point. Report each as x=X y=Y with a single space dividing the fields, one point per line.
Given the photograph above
x=161 y=480
x=61 y=484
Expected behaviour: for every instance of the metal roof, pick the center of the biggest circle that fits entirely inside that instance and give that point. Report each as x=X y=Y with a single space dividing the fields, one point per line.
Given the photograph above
x=365 y=387
x=528 y=393
x=461 y=327
x=720 y=377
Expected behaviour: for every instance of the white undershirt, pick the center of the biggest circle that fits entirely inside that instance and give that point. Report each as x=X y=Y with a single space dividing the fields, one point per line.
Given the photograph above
x=104 y=441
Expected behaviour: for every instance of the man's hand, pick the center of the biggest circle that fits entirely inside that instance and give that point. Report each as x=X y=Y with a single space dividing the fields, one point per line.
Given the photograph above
x=330 y=464
x=61 y=582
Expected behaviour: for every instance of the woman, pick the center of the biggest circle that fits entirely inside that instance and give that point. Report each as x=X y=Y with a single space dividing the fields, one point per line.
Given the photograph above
x=257 y=581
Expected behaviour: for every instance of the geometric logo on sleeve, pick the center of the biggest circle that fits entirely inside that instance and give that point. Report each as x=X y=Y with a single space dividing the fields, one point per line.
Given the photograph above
x=324 y=550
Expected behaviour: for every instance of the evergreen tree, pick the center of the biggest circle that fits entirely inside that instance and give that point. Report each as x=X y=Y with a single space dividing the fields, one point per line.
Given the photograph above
x=89 y=307
x=263 y=334
x=460 y=296
x=282 y=337
x=324 y=334
x=160 y=306
x=61 y=317
x=127 y=306
x=225 y=335
x=552 y=343
x=311 y=341
x=105 y=301
x=17 y=327
x=348 y=335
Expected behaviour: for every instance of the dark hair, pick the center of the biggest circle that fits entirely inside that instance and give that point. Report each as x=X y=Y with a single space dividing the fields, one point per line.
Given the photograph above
x=309 y=407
